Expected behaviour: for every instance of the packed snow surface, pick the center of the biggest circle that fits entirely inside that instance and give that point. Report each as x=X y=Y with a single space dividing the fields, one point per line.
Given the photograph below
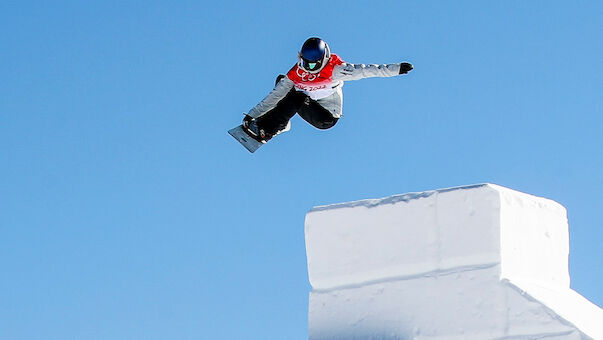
x=475 y=262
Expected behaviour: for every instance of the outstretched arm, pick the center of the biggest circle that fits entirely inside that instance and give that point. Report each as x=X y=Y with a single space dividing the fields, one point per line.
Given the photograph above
x=276 y=95
x=348 y=71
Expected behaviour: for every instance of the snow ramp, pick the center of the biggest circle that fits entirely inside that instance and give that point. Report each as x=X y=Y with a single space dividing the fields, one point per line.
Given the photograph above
x=473 y=262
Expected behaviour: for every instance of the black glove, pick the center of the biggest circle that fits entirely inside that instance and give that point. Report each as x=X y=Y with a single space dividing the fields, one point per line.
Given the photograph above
x=405 y=68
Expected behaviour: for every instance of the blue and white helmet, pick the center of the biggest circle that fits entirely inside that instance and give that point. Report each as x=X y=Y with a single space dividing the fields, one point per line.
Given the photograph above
x=314 y=55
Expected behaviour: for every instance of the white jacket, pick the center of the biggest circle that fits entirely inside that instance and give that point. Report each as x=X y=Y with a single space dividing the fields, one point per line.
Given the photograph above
x=324 y=87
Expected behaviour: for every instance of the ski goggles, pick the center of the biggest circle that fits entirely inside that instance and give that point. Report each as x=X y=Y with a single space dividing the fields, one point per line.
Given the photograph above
x=311 y=65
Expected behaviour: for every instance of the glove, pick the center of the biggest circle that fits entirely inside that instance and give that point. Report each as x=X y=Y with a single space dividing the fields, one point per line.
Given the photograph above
x=405 y=68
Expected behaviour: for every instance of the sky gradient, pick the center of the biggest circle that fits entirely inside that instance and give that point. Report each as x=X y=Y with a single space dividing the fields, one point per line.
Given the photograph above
x=128 y=212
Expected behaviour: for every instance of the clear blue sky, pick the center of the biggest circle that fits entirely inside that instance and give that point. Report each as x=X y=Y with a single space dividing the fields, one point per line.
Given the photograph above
x=127 y=212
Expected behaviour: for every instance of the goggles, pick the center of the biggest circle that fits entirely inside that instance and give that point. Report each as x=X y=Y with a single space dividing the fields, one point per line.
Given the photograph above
x=311 y=65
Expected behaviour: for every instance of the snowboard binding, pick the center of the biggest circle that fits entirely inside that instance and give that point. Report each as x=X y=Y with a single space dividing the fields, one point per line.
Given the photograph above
x=250 y=126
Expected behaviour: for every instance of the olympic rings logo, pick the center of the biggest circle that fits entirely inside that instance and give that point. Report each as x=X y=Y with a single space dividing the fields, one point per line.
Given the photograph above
x=305 y=76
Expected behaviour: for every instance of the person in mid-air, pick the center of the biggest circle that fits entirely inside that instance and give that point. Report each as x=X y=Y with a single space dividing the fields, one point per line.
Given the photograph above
x=311 y=88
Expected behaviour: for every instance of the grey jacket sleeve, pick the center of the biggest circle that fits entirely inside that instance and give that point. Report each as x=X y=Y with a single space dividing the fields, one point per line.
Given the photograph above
x=276 y=95
x=348 y=71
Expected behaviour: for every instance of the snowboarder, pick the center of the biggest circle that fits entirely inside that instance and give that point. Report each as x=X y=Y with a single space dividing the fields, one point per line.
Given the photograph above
x=312 y=88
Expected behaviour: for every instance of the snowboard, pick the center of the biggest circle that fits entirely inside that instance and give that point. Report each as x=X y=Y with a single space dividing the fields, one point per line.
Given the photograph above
x=249 y=142
x=246 y=140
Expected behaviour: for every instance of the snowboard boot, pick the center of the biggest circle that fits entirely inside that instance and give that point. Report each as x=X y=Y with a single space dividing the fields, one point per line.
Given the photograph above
x=250 y=126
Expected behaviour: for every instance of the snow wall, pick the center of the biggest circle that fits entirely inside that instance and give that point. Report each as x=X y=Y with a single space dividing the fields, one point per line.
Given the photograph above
x=474 y=262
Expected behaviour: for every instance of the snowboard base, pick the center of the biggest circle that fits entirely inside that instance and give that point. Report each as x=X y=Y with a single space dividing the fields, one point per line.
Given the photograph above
x=247 y=141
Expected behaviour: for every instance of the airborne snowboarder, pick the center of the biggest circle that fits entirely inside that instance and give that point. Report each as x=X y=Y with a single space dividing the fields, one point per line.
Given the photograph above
x=312 y=88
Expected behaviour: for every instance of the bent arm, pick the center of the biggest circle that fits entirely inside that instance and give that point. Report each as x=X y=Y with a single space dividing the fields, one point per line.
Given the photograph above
x=276 y=95
x=348 y=71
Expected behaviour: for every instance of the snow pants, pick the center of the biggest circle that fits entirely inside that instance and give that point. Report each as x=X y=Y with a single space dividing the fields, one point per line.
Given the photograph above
x=294 y=102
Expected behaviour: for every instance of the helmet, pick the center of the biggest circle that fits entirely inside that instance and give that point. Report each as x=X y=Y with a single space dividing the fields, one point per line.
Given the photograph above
x=314 y=55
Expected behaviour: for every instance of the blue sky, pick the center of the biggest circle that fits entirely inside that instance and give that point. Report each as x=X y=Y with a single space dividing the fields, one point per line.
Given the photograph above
x=129 y=213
